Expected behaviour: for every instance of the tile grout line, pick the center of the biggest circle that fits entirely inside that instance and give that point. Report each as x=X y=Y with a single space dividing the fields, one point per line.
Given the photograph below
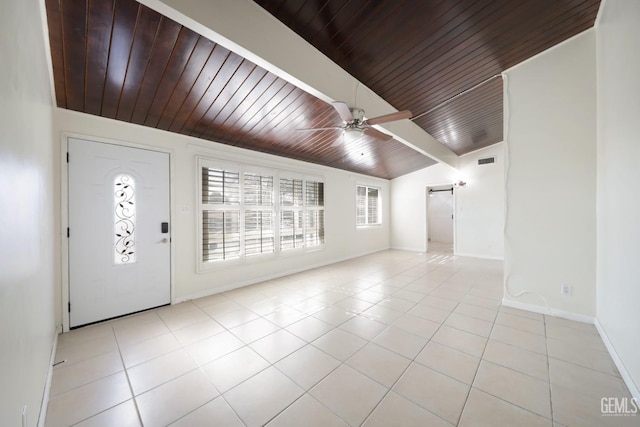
x=390 y=389
x=343 y=363
x=387 y=326
x=247 y=345
x=475 y=375
x=126 y=373
x=519 y=372
x=99 y=379
x=305 y=392
x=199 y=367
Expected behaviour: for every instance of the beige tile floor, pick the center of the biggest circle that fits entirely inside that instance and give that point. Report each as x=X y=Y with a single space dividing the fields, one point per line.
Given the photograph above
x=391 y=339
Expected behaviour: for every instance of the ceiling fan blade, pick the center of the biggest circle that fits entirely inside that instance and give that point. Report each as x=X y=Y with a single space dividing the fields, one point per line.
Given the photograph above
x=405 y=114
x=327 y=128
x=377 y=134
x=343 y=110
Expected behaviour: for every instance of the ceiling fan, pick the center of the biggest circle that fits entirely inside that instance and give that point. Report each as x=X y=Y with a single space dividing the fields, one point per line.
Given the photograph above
x=355 y=125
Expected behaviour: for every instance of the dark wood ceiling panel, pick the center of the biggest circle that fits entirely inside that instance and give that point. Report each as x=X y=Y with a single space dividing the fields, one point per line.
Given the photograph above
x=163 y=46
x=419 y=54
x=254 y=115
x=122 y=60
x=74 y=54
x=448 y=41
x=469 y=122
x=235 y=110
x=239 y=122
x=56 y=44
x=444 y=22
x=100 y=18
x=209 y=85
x=274 y=118
x=175 y=67
x=125 y=19
x=454 y=64
x=204 y=89
x=197 y=65
x=147 y=26
x=232 y=99
x=233 y=82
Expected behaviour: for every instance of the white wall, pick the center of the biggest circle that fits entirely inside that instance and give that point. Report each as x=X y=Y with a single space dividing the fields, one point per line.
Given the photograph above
x=27 y=233
x=550 y=116
x=343 y=240
x=479 y=207
x=618 y=277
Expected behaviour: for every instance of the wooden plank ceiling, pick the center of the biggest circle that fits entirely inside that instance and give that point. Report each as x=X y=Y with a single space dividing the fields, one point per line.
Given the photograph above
x=122 y=60
x=418 y=54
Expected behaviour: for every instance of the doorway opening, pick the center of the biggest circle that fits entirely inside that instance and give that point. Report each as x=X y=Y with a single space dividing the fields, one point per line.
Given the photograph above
x=440 y=219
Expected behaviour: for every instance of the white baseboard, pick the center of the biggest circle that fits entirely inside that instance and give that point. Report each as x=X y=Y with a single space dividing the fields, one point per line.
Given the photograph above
x=492 y=257
x=626 y=377
x=232 y=286
x=47 y=385
x=403 y=248
x=583 y=318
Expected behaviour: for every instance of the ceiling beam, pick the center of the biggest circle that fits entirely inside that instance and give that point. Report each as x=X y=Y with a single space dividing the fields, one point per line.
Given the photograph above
x=245 y=28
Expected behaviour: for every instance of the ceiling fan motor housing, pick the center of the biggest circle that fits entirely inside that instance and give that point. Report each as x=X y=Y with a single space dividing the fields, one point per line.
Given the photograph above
x=358 y=114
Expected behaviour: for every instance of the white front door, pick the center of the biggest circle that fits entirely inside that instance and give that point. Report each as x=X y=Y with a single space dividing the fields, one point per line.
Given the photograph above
x=119 y=240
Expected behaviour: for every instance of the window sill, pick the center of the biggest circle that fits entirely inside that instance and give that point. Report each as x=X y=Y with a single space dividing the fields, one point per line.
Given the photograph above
x=211 y=266
x=364 y=227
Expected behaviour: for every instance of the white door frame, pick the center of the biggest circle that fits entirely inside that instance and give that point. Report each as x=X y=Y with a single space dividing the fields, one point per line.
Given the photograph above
x=426 y=215
x=64 y=217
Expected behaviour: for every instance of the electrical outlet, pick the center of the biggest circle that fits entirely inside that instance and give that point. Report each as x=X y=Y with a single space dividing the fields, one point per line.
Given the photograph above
x=565 y=289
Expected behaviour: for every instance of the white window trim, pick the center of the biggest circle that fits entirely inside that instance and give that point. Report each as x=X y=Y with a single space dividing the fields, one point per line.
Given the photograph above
x=380 y=218
x=206 y=266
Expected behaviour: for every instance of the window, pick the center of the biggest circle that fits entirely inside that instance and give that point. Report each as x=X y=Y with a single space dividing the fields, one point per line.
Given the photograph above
x=220 y=214
x=314 y=215
x=258 y=218
x=291 y=210
x=367 y=206
x=246 y=210
x=301 y=213
x=124 y=219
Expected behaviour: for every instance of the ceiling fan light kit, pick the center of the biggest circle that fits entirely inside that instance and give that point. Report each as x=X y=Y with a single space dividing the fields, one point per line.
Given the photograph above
x=352 y=134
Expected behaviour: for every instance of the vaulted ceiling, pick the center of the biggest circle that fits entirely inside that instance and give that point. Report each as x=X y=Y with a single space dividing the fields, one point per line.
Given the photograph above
x=440 y=59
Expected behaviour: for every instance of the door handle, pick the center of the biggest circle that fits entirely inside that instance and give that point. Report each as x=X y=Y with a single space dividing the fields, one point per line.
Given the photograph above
x=165 y=240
